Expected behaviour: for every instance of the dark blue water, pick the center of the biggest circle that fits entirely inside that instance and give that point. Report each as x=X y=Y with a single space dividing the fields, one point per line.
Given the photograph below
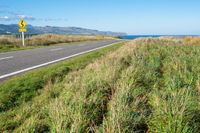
x=131 y=37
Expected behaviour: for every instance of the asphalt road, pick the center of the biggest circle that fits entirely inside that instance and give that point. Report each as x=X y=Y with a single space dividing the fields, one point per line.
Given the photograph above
x=13 y=63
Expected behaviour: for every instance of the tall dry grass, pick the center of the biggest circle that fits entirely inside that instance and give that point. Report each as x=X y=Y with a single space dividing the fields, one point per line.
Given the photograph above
x=48 y=39
x=8 y=40
x=192 y=40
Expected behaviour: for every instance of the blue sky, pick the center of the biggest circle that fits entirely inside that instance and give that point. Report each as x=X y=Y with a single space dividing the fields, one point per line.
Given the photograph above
x=130 y=16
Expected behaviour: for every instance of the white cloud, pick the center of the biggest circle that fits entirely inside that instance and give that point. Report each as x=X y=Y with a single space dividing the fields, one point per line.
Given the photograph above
x=12 y=16
x=26 y=17
x=4 y=18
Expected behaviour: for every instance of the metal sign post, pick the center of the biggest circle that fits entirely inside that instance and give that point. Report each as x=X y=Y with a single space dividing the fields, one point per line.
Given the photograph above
x=22 y=29
x=23 y=39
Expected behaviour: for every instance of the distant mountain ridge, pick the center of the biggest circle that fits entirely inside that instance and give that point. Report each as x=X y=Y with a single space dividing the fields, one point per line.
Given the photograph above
x=13 y=29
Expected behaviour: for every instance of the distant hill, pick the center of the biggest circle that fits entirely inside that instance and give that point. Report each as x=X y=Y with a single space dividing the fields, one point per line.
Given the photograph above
x=13 y=29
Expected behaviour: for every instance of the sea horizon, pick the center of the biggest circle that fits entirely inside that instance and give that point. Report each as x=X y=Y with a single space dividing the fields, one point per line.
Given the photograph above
x=130 y=37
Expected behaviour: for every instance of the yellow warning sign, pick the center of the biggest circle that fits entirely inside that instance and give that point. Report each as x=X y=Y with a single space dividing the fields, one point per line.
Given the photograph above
x=22 y=30
x=22 y=24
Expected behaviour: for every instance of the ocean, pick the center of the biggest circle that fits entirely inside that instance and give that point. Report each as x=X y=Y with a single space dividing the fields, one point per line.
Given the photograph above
x=131 y=37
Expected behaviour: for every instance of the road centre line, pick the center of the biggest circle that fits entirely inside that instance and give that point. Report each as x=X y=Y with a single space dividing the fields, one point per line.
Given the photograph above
x=5 y=58
x=57 y=49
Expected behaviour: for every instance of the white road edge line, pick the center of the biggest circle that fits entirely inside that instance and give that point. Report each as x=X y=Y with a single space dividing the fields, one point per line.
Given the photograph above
x=56 y=49
x=58 y=60
x=4 y=58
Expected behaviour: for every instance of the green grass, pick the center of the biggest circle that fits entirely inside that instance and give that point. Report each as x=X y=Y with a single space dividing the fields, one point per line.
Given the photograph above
x=148 y=85
x=24 y=87
x=11 y=47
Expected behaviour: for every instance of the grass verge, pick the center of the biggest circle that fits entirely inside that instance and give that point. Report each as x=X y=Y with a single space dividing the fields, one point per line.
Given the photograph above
x=148 y=85
x=11 y=43
x=24 y=87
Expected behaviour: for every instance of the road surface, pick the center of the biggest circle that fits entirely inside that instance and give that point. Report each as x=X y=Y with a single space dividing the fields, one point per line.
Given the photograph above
x=13 y=63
